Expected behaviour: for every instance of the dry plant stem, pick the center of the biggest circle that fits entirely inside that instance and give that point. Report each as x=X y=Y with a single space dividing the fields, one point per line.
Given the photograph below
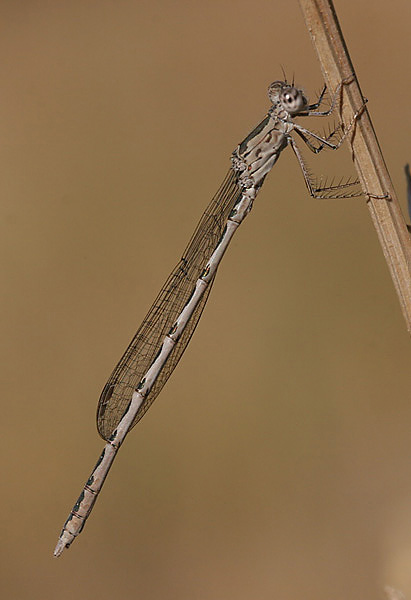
x=322 y=23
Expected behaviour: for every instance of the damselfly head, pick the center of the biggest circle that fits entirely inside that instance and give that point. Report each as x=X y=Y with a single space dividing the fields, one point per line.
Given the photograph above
x=289 y=97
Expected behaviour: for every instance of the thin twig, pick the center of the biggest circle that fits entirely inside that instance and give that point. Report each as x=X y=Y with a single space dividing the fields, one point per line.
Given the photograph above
x=336 y=65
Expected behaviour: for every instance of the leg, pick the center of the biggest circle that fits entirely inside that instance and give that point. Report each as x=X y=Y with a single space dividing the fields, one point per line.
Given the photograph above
x=314 y=106
x=325 y=141
x=323 y=192
x=317 y=149
x=311 y=112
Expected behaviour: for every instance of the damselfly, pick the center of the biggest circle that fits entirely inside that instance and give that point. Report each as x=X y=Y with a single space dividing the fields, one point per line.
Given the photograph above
x=165 y=332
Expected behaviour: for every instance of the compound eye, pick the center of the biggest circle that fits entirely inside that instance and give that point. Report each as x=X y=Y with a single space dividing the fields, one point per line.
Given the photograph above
x=274 y=91
x=293 y=101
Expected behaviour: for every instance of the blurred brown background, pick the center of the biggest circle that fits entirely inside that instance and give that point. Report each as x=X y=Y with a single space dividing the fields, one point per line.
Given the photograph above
x=276 y=462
